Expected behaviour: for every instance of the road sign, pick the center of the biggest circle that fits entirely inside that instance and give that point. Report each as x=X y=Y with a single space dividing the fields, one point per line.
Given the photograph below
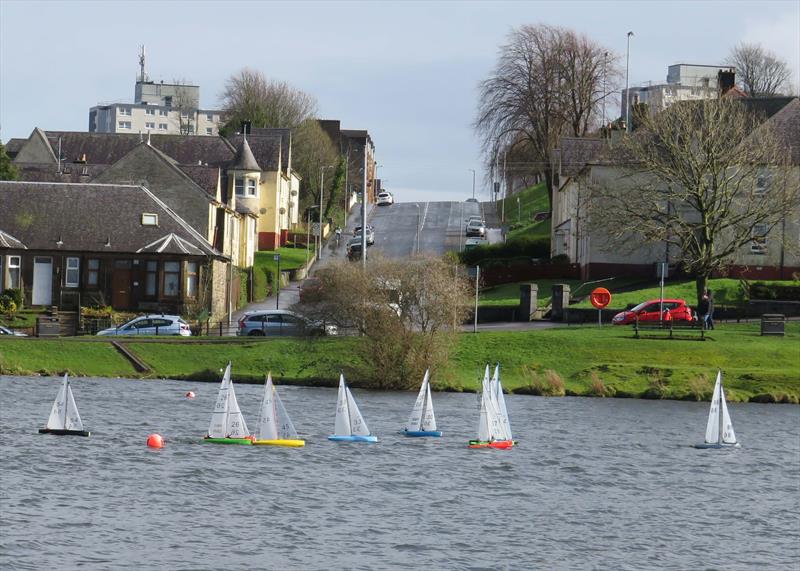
x=600 y=297
x=276 y=257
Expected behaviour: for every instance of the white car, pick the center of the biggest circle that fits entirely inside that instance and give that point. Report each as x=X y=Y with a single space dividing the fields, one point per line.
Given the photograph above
x=151 y=325
x=12 y=332
x=384 y=198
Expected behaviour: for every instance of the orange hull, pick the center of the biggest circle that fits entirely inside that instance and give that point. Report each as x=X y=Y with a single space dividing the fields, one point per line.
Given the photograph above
x=499 y=444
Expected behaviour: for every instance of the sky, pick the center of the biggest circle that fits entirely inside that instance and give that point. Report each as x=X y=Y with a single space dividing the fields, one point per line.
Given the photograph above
x=406 y=71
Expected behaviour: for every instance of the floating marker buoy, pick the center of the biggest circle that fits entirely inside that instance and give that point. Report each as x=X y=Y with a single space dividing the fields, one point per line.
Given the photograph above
x=190 y=395
x=155 y=441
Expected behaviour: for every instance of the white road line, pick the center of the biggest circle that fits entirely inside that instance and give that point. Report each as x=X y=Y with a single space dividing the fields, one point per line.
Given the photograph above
x=424 y=216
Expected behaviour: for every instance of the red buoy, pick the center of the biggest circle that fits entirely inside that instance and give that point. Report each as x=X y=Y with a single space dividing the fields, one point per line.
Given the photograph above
x=155 y=441
x=190 y=395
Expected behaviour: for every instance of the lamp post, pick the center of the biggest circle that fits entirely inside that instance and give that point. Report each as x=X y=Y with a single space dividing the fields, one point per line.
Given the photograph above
x=346 y=188
x=418 y=220
x=364 y=213
x=321 y=189
x=627 y=89
x=308 y=230
x=473 y=182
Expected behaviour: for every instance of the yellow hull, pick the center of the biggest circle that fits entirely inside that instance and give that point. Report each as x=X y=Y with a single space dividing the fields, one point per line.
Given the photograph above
x=290 y=443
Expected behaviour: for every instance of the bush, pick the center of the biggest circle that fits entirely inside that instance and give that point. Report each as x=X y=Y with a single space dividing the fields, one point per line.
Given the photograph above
x=552 y=385
x=782 y=292
x=7 y=305
x=16 y=295
x=560 y=259
x=597 y=387
x=523 y=247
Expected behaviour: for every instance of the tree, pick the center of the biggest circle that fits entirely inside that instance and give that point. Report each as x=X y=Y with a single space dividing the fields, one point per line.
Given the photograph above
x=707 y=178
x=186 y=104
x=249 y=96
x=759 y=72
x=406 y=310
x=312 y=150
x=548 y=82
x=7 y=169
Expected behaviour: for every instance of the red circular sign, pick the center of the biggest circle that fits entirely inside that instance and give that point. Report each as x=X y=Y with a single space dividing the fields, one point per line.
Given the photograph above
x=600 y=297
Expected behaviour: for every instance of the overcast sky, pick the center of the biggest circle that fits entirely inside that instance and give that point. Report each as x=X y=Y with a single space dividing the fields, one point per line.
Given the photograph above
x=406 y=71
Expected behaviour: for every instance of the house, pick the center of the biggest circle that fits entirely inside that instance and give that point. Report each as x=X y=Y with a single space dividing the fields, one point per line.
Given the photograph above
x=358 y=148
x=81 y=244
x=581 y=163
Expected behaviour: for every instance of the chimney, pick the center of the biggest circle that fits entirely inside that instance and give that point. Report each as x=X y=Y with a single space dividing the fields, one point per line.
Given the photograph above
x=726 y=79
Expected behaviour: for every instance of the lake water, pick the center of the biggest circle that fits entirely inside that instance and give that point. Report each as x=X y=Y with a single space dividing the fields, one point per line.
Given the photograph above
x=594 y=484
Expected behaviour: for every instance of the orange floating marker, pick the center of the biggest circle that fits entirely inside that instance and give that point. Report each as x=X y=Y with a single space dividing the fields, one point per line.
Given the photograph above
x=155 y=441
x=190 y=395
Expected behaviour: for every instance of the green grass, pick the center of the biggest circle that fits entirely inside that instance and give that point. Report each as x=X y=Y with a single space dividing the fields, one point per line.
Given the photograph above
x=24 y=318
x=726 y=292
x=753 y=366
x=266 y=268
x=532 y=201
x=508 y=294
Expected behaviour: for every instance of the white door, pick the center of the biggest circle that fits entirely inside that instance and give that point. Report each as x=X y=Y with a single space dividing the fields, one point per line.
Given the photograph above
x=42 y=281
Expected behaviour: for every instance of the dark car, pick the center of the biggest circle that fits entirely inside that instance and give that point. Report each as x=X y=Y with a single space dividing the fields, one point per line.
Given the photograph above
x=354 y=248
x=651 y=311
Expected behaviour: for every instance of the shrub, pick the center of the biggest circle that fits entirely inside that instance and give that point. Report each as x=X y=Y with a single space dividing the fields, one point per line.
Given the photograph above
x=657 y=386
x=597 y=387
x=700 y=387
x=16 y=295
x=523 y=247
x=560 y=259
x=551 y=385
x=97 y=312
x=7 y=305
x=782 y=292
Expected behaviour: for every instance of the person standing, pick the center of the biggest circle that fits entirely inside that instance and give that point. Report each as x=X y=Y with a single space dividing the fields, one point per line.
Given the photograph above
x=710 y=310
x=702 y=311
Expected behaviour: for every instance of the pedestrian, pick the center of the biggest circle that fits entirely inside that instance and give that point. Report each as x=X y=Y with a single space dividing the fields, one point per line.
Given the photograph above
x=338 y=235
x=710 y=311
x=702 y=310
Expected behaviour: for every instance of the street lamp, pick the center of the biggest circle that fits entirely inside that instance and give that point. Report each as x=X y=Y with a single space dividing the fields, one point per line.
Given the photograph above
x=473 y=182
x=627 y=89
x=321 y=189
x=418 y=221
x=308 y=230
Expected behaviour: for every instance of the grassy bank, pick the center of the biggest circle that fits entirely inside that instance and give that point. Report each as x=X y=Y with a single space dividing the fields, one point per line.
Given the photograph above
x=589 y=361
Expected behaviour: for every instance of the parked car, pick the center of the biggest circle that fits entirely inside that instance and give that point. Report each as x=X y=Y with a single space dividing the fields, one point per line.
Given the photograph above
x=384 y=198
x=354 y=248
x=471 y=200
x=280 y=322
x=476 y=228
x=7 y=331
x=370 y=234
x=310 y=289
x=474 y=218
x=472 y=243
x=651 y=311
x=155 y=324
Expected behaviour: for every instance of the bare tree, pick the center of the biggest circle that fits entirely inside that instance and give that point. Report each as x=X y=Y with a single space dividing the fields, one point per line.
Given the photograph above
x=759 y=72
x=548 y=82
x=313 y=150
x=707 y=177
x=186 y=104
x=249 y=96
x=407 y=311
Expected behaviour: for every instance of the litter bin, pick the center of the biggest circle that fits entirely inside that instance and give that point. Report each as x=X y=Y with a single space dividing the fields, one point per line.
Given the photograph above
x=773 y=324
x=48 y=327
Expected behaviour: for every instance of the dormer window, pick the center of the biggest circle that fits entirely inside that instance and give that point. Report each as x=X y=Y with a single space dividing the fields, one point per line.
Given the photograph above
x=149 y=219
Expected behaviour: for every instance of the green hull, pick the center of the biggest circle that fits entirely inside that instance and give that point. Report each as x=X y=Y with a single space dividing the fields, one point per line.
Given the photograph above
x=244 y=441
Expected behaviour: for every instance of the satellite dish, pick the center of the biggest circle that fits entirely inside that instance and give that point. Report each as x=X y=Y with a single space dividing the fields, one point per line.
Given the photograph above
x=262 y=211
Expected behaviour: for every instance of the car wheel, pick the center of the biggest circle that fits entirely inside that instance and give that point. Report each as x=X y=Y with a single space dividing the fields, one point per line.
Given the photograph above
x=256 y=333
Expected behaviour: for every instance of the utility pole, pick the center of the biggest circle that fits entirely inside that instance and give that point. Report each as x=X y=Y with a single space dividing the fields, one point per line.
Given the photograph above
x=505 y=190
x=473 y=182
x=477 y=289
x=364 y=212
x=308 y=231
x=346 y=188
x=321 y=189
x=627 y=89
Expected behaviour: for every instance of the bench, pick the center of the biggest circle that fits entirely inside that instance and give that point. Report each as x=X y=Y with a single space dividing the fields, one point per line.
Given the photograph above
x=675 y=330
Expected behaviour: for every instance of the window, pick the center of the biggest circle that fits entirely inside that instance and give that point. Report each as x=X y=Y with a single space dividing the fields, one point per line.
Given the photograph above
x=172 y=279
x=191 y=279
x=93 y=271
x=150 y=111
x=762 y=183
x=151 y=279
x=149 y=125
x=759 y=243
x=162 y=112
x=125 y=111
x=239 y=185
x=162 y=126
x=191 y=129
x=14 y=263
x=251 y=187
x=124 y=124
x=72 y=275
x=149 y=219
x=209 y=131
x=209 y=117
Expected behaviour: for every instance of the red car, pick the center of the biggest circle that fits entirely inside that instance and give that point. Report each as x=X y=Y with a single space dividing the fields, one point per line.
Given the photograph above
x=651 y=311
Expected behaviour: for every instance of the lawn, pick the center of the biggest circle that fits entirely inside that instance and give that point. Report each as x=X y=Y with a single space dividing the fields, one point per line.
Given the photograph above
x=266 y=268
x=21 y=319
x=508 y=294
x=754 y=367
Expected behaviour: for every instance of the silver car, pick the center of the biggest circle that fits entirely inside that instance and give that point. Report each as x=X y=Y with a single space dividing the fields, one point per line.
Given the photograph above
x=370 y=234
x=156 y=324
x=12 y=332
x=476 y=228
x=279 y=322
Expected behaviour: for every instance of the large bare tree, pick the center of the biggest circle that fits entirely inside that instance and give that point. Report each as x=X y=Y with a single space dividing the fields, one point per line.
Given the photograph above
x=708 y=178
x=313 y=151
x=758 y=71
x=548 y=82
x=249 y=96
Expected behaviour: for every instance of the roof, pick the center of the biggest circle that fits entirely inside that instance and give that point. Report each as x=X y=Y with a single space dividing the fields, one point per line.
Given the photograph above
x=205 y=177
x=576 y=152
x=13 y=146
x=8 y=241
x=44 y=214
x=37 y=172
x=786 y=126
x=245 y=160
x=266 y=150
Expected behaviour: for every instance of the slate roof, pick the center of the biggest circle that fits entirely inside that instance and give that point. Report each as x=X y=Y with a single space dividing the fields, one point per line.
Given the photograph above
x=8 y=241
x=171 y=244
x=86 y=217
x=77 y=173
x=786 y=125
x=205 y=177
x=266 y=149
x=13 y=146
x=245 y=160
x=576 y=152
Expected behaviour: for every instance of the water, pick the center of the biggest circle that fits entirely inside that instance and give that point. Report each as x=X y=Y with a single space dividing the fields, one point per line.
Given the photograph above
x=594 y=484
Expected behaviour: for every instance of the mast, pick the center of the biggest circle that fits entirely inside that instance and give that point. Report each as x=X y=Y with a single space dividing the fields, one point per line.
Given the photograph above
x=719 y=412
x=66 y=400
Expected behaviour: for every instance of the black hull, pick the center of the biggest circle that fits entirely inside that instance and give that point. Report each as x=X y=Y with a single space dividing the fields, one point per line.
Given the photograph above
x=62 y=432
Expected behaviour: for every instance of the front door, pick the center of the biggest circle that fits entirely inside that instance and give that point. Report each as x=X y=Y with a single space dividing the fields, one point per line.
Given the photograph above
x=42 y=281
x=121 y=288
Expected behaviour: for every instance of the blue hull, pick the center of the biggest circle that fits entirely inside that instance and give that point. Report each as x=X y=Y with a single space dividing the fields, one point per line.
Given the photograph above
x=353 y=438
x=420 y=433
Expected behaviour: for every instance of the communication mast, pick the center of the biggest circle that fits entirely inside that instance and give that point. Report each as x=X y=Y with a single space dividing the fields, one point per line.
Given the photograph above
x=143 y=75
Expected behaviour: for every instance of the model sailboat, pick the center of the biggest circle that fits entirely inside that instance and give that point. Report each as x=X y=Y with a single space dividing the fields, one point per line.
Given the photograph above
x=494 y=429
x=422 y=421
x=350 y=425
x=227 y=423
x=719 y=429
x=64 y=417
x=274 y=427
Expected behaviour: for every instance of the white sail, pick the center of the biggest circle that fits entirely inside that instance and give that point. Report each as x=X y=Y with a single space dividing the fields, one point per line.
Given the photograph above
x=505 y=425
x=415 y=420
x=72 y=420
x=428 y=418
x=712 y=427
x=728 y=436
x=357 y=424
x=286 y=430
x=219 y=416
x=267 y=427
x=56 y=419
x=485 y=420
x=342 y=425
x=237 y=428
